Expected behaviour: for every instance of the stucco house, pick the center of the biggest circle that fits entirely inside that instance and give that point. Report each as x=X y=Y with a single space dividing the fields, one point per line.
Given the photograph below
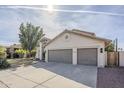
x=77 y=47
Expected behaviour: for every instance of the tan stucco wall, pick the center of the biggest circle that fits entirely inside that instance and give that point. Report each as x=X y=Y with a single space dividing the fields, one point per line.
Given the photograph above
x=77 y=41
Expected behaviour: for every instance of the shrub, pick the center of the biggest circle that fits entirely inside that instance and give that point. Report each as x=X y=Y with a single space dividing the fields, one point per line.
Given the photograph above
x=4 y=64
x=21 y=52
x=33 y=53
x=2 y=52
x=110 y=48
x=3 y=61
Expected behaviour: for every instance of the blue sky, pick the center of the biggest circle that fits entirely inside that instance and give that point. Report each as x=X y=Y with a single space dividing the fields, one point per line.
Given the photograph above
x=105 y=21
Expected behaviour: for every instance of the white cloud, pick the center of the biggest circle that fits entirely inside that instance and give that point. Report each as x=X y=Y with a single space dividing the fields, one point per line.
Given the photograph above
x=61 y=10
x=48 y=21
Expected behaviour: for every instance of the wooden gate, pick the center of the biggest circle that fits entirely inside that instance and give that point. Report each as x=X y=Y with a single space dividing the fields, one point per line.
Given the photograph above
x=112 y=59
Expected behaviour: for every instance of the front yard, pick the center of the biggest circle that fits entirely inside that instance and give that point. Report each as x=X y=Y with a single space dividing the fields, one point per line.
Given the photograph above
x=20 y=62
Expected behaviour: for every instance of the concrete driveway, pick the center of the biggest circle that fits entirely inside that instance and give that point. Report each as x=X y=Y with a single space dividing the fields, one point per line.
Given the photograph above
x=49 y=75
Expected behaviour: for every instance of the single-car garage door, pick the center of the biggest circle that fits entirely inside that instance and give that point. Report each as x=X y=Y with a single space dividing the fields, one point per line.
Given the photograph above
x=63 y=55
x=87 y=56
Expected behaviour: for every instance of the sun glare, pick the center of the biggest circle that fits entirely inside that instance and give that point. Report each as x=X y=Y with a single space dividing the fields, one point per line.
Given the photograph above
x=50 y=8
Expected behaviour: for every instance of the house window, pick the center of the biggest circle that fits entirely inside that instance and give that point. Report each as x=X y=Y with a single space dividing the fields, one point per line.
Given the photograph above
x=66 y=37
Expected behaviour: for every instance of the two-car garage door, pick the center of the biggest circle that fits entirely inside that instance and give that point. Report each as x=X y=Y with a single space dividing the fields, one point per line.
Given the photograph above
x=85 y=56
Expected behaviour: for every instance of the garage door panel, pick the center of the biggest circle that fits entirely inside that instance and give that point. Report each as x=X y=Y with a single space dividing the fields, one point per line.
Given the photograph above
x=63 y=55
x=87 y=56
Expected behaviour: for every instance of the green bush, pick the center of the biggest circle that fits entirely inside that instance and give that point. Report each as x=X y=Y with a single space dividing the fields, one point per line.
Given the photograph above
x=110 y=48
x=21 y=52
x=4 y=64
x=33 y=53
x=3 y=61
x=2 y=52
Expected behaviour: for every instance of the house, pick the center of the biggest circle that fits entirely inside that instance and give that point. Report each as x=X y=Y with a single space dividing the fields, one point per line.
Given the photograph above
x=77 y=47
x=40 y=52
x=11 y=50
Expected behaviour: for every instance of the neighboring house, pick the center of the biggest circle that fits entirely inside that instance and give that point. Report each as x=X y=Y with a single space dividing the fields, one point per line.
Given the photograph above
x=77 y=47
x=11 y=50
x=40 y=54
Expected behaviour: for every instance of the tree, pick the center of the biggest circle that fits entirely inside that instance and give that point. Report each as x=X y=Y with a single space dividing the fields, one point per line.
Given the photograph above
x=110 y=48
x=29 y=36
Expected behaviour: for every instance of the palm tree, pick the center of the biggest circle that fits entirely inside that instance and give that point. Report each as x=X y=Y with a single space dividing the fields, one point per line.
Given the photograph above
x=29 y=36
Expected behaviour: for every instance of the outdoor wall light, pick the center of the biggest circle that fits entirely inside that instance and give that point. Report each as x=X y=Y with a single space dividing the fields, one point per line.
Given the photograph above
x=101 y=50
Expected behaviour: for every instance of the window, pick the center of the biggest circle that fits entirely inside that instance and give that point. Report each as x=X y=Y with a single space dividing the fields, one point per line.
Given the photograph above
x=66 y=37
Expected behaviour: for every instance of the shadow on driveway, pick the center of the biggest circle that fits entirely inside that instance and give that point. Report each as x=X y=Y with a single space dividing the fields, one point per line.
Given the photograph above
x=83 y=74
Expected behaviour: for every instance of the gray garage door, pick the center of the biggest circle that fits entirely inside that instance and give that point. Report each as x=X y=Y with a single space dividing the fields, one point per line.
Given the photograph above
x=63 y=55
x=87 y=56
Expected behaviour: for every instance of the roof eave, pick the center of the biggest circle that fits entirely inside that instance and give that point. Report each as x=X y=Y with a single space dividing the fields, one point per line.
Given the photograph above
x=107 y=41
